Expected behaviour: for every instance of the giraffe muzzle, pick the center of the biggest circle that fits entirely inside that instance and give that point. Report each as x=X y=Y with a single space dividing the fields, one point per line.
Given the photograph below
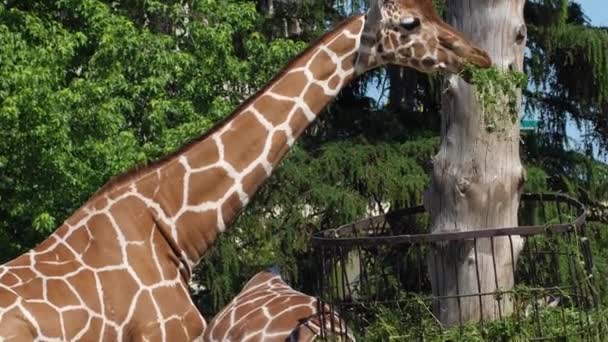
x=465 y=52
x=468 y=54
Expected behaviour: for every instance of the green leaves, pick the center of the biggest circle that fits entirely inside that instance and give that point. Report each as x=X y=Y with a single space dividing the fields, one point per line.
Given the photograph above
x=91 y=88
x=568 y=66
x=498 y=93
x=44 y=223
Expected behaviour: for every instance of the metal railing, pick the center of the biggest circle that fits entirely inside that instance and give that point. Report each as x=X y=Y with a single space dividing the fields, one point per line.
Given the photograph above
x=535 y=280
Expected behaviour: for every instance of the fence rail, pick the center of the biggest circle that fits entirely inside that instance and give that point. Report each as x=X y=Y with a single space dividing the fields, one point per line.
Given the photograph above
x=535 y=279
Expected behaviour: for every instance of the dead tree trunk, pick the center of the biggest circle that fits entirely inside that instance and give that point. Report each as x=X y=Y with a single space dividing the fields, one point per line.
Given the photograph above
x=477 y=174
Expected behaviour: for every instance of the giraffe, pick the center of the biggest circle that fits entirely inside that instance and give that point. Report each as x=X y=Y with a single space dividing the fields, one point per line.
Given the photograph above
x=267 y=309
x=118 y=268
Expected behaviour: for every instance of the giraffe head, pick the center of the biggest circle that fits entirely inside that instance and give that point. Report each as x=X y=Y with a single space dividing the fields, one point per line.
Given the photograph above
x=410 y=33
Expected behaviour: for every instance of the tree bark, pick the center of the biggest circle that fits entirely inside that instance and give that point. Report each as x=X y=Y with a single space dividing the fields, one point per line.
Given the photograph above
x=402 y=93
x=266 y=7
x=477 y=174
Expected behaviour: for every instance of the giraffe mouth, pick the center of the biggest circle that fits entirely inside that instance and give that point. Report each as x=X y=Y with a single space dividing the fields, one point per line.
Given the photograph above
x=479 y=58
x=474 y=56
x=466 y=53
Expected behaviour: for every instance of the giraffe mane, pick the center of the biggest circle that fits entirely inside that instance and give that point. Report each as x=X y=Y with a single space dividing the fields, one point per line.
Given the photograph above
x=143 y=168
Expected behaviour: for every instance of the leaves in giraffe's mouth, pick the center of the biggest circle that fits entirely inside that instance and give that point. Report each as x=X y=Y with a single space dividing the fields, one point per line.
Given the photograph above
x=496 y=92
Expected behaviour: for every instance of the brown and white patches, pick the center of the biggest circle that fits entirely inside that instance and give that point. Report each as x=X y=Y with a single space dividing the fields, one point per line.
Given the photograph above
x=208 y=185
x=24 y=274
x=205 y=153
x=419 y=50
x=170 y=193
x=130 y=213
x=94 y=331
x=149 y=185
x=104 y=242
x=74 y=321
x=110 y=333
x=443 y=57
x=60 y=294
x=197 y=231
x=13 y=325
x=75 y=219
x=348 y=64
x=85 y=284
x=175 y=330
x=316 y=98
x=164 y=255
x=334 y=83
x=253 y=180
x=31 y=289
x=7 y=299
x=80 y=240
x=298 y=122
x=341 y=47
x=196 y=324
x=47 y=244
x=235 y=153
x=428 y=62
x=415 y=63
x=404 y=40
x=291 y=84
x=387 y=45
x=278 y=149
x=287 y=313
x=10 y=280
x=230 y=208
x=354 y=29
x=115 y=193
x=51 y=329
x=138 y=256
x=394 y=39
x=117 y=304
x=148 y=323
x=58 y=254
x=100 y=203
x=108 y=243
x=169 y=301
x=280 y=112
x=322 y=66
x=405 y=52
x=217 y=329
x=266 y=309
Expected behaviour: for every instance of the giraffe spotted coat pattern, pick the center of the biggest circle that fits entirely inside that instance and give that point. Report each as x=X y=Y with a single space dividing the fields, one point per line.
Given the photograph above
x=118 y=268
x=267 y=310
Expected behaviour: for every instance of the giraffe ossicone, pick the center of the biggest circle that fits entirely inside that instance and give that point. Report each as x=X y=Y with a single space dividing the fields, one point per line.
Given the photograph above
x=118 y=268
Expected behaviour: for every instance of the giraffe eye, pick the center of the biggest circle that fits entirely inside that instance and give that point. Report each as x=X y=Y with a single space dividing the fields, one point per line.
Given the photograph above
x=409 y=23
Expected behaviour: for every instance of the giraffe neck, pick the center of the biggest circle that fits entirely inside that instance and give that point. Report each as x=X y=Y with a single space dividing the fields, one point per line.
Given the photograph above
x=199 y=191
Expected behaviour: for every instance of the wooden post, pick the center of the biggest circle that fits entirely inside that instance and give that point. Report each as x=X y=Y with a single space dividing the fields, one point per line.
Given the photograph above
x=477 y=174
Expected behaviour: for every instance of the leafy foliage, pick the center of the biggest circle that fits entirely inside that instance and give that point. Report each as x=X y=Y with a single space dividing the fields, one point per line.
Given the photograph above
x=400 y=325
x=497 y=92
x=89 y=89
x=562 y=48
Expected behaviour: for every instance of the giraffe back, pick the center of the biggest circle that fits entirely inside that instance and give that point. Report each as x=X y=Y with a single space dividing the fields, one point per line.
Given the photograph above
x=267 y=309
